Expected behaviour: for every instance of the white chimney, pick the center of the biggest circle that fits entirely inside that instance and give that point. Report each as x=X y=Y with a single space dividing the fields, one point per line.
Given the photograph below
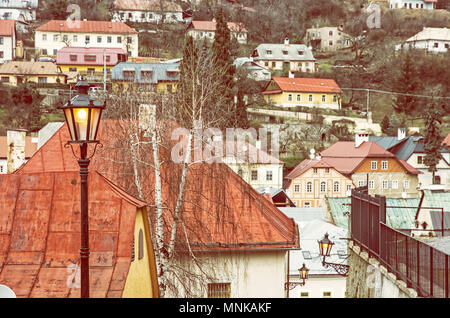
x=360 y=138
x=401 y=133
x=258 y=144
x=291 y=74
x=16 y=149
x=286 y=41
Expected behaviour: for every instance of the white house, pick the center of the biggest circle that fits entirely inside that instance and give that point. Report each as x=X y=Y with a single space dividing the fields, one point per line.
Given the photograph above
x=56 y=34
x=322 y=282
x=147 y=11
x=19 y=10
x=433 y=40
x=7 y=40
x=254 y=165
x=255 y=71
x=200 y=30
x=413 y=4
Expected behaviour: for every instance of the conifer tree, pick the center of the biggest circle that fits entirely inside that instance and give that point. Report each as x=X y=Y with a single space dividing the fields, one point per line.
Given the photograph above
x=432 y=137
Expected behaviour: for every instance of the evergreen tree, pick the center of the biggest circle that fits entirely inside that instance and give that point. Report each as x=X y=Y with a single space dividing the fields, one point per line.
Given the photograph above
x=432 y=137
x=385 y=125
x=407 y=82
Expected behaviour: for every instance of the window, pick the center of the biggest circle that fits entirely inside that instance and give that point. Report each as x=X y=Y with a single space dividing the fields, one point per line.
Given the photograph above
x=323 y=187
x=91 y=70
x=99 y=39
x=2 y=40
x=5 y=79
x=290 y=97
x=362 y=183
x=406 y=184
x=330 y=33
x=129 y=40
x=297 y=188
x=349 y=187
x=269 y=175
x=72 y=69
x=44 y=51
x=240 y=173
x=55 y=51
x=436 y=44
x=314 y=170
x=254 y=175
x=300 y=52
x=336 y=186
x=419 y=160
x=385 y=184
x=146 y=75
x=299 y=97
x=219 y=290
x=90 y=58
x=371 y=184
x=55 y=37
x=87 y=39
x=384 y=165
x=75 y=38
x=269 y=52
x=324 y=98
x=446 y=45
x=373 y=165
x=42 y=80
x=65 y=38
x=306 y=204
x=309 y=187
x=141 y=245
x=109 y=39
x=326 y=294
x=330 y=43
x=44 y=37
x=394 y=184
x=310 y=98
x=2 y=55
x=119 y=39
x=274 y=64
x=334 y=98
x=306 y=255
x=327 y=170
x=304 y=294
x=128 y=75
x=285 y=52
x=266 y=63
x=73 y=58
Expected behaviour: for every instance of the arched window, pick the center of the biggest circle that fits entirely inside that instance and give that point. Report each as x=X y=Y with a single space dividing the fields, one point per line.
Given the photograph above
x=141 y=245
x=336 y=186
x=323 y=186
x=309 y=187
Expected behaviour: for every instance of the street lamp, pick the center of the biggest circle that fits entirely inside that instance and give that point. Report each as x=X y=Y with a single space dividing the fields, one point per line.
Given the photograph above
x=303 y=277
x=325 y=246
x=83 y=118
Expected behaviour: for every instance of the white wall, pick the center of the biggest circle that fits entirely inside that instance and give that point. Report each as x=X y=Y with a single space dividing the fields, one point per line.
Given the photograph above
x=8 y=48
x=316 y=285
x=14 y=14
x=155 y=17
x=276 y=169
x=252 y=274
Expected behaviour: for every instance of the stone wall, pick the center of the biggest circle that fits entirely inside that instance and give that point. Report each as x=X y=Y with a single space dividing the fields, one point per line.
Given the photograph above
x=368 y=279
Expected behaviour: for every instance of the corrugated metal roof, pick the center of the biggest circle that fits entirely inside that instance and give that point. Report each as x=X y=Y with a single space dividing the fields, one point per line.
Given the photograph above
x=40 y=234
x=304 y=214
x=277 y=52
x=397 y=218
x=437 y=199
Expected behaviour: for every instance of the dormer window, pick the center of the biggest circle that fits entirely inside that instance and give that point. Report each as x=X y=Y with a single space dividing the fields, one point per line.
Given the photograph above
x=269 y=52
x=147 y=75
x=128 y=75
x=300 y=52
x=285 y=52
x=89 y=58
x=73 y=58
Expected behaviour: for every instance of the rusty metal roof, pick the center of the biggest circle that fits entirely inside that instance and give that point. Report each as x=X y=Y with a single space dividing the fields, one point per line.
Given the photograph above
x=40 y=234
x=221 y=211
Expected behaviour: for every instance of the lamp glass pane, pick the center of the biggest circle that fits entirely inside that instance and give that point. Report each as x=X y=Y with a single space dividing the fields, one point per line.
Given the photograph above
x=81 y=122
x=70 y=123
x=95 y=120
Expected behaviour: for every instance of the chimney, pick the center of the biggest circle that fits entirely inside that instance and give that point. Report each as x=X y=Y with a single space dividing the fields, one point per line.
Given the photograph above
x=258 y=144
x=146 y=117
x=401 y=133
x=291 y=74
x=360 y=138
x=16 y=149
x=286 y=41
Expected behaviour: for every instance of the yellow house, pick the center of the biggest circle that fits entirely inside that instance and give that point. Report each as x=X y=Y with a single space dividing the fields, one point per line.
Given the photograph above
x=146 y=77
x=15 y=73
x=307 y=92
x=314 y=180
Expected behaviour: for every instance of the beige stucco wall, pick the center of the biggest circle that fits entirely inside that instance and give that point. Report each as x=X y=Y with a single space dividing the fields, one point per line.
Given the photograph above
x=400 y=177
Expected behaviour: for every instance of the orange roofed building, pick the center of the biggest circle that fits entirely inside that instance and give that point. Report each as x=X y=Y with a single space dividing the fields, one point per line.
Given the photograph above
x=238 y=237
x=40 y=238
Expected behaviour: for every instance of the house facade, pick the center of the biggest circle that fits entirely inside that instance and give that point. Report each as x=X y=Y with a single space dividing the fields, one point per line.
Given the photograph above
x=369 y=164
x=7 y=40
x=147 y=11
x=200 y=30
x=16 y=148
x=327 y=39
x=15 y=73
x=145 y=77
x=56 y=34
x=314 y=180
x=307 y=92
x=292 y=57
x=90 y=62
x=254 y=70
x=432 y=40
x=18 y=10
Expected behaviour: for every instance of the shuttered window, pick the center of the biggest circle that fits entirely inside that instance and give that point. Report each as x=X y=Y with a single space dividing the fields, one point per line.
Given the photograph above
x=141 y=245
x=219 y=290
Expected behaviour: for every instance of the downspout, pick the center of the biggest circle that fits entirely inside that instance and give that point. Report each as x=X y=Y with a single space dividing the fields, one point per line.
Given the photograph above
x=420 y=205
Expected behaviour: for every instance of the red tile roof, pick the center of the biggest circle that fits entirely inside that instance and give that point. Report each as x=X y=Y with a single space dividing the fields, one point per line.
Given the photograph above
x=221 y=211
x=211 y=26
x=446 y=141
x=40 y=234
x=308 y=85
x=87 y=27
x=7 y=27
x=307 y=164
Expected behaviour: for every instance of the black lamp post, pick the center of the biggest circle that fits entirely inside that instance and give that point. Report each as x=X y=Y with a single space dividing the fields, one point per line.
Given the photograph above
x=83 y=118
x=303 y=277
x=325 y=246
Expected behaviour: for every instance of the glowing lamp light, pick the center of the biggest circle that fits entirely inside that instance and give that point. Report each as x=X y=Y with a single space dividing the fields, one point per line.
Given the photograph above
x=325 y=246
x=83 y=115
x=303 y=272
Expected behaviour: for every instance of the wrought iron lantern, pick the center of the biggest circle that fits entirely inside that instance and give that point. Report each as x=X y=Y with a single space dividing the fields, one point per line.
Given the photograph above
x=325 y=246
x=303 y=273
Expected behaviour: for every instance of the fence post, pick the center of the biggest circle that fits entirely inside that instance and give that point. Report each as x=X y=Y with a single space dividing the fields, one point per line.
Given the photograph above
x=418 y=264
x=446 y=276
x=431 y=271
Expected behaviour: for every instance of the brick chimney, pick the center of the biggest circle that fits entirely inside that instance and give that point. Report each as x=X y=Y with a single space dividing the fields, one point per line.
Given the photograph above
x=16 y=149
x=401 y=134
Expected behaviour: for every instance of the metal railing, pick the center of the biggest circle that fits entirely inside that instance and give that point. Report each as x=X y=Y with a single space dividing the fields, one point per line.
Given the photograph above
x=422 y=267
